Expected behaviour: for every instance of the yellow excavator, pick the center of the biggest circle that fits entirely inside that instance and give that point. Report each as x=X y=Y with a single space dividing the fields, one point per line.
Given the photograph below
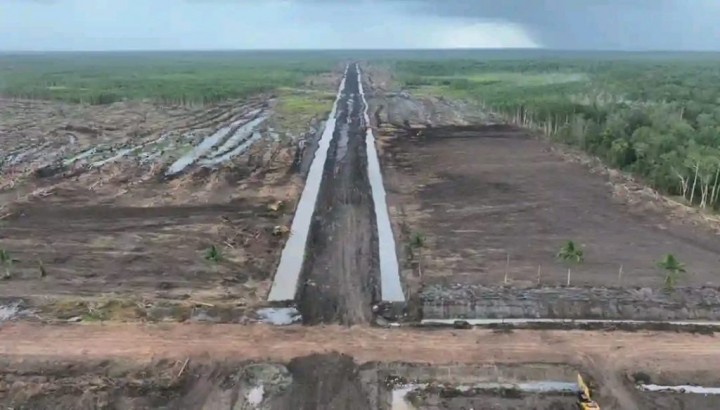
x=584 y=402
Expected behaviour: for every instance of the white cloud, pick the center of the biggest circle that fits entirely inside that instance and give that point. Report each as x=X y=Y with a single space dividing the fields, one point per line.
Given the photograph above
x=483 y=35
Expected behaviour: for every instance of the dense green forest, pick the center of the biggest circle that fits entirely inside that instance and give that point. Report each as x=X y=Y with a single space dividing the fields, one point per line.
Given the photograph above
x=169 y=77
x=658 y=118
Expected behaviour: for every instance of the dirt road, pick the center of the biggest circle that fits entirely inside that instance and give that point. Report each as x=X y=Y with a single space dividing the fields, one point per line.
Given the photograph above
x=618 y=350
x=340 y=270
x=608 y=357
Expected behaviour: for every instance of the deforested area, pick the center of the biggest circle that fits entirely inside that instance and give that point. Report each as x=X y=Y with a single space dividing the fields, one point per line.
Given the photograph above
x=495 y=206
x=651 y=115
x=169 y=200
x=554 y=184
x=332 y=380
x=357 y=229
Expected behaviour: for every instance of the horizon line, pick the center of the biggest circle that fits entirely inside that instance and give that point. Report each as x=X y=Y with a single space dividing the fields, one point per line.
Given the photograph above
x=531 y=49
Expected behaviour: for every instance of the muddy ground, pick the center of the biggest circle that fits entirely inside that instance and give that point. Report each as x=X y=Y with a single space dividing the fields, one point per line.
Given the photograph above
x=340 y=272
x=617 y=303
x=499 y=402
x=675 y=401
x=99 y=229
x=314 y=381
x=483 y=195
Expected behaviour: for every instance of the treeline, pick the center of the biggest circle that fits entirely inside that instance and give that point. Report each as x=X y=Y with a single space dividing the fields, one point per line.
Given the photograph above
x=163 y=92
x=172 y=78
x=659 y=120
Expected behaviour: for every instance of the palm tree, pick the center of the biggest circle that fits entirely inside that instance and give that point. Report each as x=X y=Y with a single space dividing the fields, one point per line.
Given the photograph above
x=571 y=254
x=673 y=270
x=6 y=260
x=417 y=242
x=213 y=254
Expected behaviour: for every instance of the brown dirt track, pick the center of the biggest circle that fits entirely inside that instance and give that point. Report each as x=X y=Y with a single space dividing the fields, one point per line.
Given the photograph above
x=481 y=193
x=605 y=356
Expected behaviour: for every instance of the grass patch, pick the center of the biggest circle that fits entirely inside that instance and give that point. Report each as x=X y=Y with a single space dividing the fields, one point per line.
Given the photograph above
x=213 y=254
x=296 y=107
x=92 y=311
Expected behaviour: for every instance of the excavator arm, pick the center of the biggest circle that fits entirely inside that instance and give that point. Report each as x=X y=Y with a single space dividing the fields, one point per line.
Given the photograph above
x=585 y=402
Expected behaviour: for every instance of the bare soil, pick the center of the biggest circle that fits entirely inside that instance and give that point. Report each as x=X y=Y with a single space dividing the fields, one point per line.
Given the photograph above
x=120 y=241
x=340 y=273
x=485 y=194
x=499 y=402
x=607 y=358
x=113 y=240
x=181 y=384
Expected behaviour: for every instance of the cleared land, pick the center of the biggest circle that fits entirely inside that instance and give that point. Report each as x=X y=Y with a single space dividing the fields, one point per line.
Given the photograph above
x=156 y=208
x=611 y=359
x=482 y=194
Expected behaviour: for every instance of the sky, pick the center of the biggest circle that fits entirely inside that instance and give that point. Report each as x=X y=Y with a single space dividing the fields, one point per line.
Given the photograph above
x=49 y=25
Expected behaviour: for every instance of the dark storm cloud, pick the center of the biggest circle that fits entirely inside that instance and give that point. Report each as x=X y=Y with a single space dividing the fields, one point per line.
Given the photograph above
x=658 y=24
x=590 y=24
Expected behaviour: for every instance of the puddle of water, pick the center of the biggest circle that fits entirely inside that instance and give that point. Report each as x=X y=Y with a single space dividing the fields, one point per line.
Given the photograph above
x=201 y=149
x=390 y=286
x=148 y=157
x=115 y=157
x=399 y=394
x=546 y=387
x=287 y=275
x=80 y=156
x=239 y=136
x=215 y=161
x=279 y=316
x=399 y=401
x=208 y=143
x=16 y=158
x=8 y=312
x=198 y=151
x=688 y=389
x=256 y=395
x=342 y=143
x=125 y=151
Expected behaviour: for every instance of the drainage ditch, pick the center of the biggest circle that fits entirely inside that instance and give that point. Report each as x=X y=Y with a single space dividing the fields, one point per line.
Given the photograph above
x=339 y=276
